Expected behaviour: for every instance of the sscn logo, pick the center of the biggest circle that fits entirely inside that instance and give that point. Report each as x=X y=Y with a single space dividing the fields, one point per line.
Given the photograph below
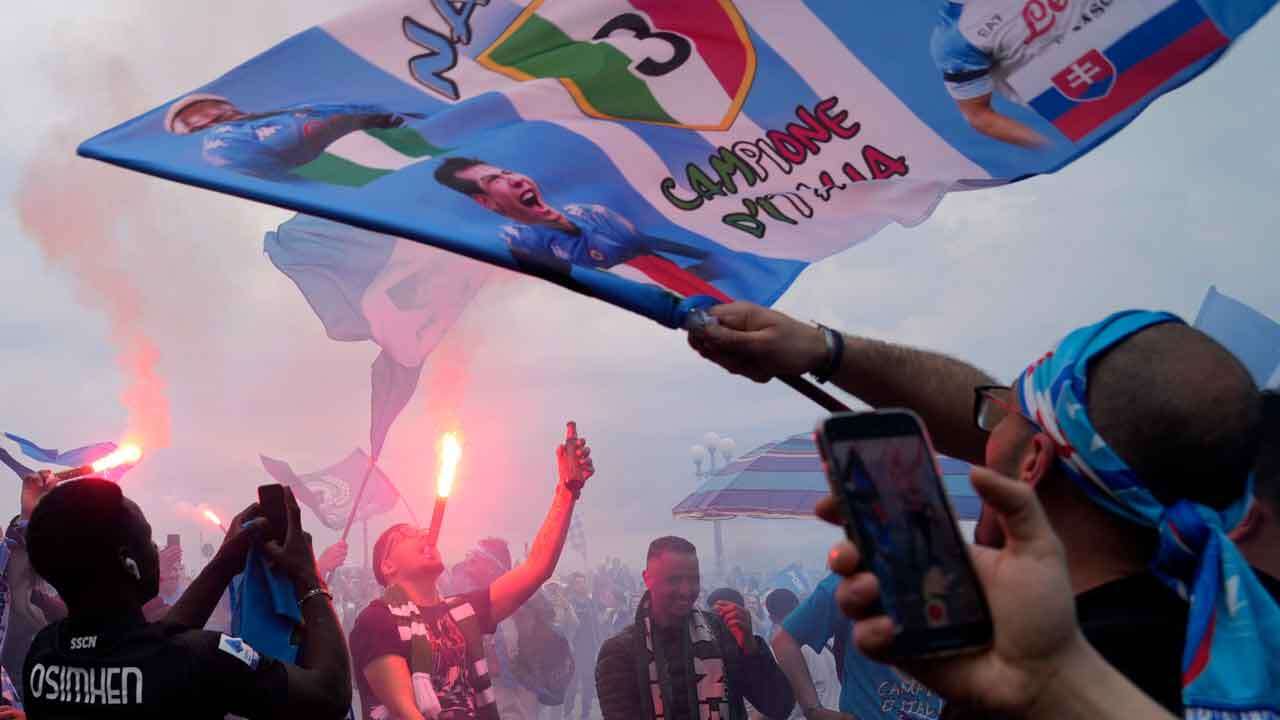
x=84 y=643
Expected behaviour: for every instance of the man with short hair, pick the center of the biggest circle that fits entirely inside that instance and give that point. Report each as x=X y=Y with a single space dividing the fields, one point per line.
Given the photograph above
x=104 y=660
x=592 y=236
x=420 y=655
x=677 y=662
x=1138 y=434
x=823 y=675
x=1258 y=535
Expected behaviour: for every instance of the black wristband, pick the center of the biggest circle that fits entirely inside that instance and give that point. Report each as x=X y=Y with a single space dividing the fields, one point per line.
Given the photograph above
x=835 y=354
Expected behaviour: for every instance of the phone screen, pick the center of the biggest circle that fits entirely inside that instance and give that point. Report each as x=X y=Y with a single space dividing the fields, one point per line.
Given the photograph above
x=174 y=540
x=271 y=500
x=909 y=538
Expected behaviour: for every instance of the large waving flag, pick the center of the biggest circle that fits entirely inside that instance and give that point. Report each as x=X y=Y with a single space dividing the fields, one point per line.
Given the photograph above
x=331 y=491
x=646 y=151
x=368 y=286
x=1250 y=335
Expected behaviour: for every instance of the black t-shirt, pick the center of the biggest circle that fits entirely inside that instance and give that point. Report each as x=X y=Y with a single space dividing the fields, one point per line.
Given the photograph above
x=377 y=634
x=133 y=669
x=1140 y=626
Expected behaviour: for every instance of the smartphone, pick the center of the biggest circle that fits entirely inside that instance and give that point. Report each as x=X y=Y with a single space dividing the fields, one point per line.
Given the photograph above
x=271 y=500
x=884 y=471
x=175 y=540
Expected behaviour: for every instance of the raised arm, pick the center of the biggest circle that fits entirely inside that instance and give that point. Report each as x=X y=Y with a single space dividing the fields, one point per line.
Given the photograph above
x=761 y=344
x=201 y=597
x=512 y=589
x=320 y=682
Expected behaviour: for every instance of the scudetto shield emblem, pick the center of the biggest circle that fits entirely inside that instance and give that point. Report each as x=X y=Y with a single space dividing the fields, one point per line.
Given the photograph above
x=685 y=64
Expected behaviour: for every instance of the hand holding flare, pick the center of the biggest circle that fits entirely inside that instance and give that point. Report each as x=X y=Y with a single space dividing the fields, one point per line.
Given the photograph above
x=127 y=454
x=450 y=455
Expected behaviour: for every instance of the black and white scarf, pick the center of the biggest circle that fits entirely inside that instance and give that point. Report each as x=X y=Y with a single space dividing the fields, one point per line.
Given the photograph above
x=701 y=651
x=411 y=626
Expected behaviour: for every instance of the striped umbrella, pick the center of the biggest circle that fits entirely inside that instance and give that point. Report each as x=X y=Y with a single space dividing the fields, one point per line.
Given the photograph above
x=785 y=479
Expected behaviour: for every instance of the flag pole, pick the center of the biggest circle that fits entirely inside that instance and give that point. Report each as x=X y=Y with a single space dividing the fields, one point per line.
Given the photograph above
x=373 y=460
x=824 y=399
x=698 y=318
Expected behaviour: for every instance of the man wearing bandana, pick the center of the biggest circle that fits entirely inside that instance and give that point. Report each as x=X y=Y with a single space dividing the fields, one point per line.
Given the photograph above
x=680 y=663
x=1138 y=434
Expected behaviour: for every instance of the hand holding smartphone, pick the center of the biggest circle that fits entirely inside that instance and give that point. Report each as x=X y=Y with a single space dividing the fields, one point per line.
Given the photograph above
x=884 y=472
x=271 y=500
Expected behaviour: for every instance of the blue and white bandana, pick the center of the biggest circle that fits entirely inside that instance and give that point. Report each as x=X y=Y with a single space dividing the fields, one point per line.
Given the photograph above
x=1231 y=663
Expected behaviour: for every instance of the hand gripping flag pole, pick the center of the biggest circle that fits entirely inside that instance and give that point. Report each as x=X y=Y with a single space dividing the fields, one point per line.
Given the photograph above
x=699 y=318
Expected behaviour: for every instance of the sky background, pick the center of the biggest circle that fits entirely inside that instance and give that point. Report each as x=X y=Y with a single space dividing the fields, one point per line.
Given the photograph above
x=149 y=273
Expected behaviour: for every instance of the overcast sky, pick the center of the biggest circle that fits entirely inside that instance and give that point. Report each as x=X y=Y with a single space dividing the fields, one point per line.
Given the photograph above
x=1184 y=198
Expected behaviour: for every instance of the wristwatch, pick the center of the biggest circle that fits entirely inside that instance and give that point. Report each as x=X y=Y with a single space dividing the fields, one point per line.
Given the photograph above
x=835 y=354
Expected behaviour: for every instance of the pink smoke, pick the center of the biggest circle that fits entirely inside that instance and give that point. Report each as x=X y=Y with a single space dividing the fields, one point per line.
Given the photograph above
x=87 y=219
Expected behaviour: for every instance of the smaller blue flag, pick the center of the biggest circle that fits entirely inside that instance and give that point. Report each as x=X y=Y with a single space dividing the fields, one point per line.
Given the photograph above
x=70 y=458
x=330 y=492
x=1250 y=335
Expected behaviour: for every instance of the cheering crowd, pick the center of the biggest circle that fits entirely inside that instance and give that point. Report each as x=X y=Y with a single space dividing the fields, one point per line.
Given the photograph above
x=1128 y=547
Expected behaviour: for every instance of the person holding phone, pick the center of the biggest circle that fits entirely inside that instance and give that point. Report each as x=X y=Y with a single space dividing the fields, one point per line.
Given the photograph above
x=418 y=654
x=1040 y=667
x=1138 y=434
x=104 y=660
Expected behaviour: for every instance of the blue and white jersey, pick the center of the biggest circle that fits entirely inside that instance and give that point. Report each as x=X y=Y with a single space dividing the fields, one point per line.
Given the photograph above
x=979 y=45
x=604 y=238
x=270 y=145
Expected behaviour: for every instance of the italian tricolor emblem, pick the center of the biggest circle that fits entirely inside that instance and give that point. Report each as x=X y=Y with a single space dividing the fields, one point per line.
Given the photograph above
x=687 y=64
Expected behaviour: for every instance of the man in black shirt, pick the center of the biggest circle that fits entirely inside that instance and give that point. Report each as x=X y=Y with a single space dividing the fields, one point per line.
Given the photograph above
x=680 y=663
x=420 y=655
x=1175 y=406
x=105 y=661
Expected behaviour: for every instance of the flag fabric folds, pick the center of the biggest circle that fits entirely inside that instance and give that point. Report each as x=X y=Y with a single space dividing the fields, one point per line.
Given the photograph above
x=67 y=458
x=330 y=492
x=363 y=285
x=656 y=154
x=76 y=457
x=1253 y=337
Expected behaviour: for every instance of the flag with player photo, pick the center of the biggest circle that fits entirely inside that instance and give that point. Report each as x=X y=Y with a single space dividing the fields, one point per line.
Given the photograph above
x=661 y=155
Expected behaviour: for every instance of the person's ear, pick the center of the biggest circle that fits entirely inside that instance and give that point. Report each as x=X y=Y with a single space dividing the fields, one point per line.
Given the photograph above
x=130 y=565
x=388 y=569
x=1252 y=521
x=1037 y=459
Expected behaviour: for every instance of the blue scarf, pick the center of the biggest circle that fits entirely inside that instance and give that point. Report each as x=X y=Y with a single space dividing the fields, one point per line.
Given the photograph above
x=1231 y=662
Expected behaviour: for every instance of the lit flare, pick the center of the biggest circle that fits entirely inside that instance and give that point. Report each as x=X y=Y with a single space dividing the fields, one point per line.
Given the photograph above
x=212 y=517
x=127 y=454
x=450 y=456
